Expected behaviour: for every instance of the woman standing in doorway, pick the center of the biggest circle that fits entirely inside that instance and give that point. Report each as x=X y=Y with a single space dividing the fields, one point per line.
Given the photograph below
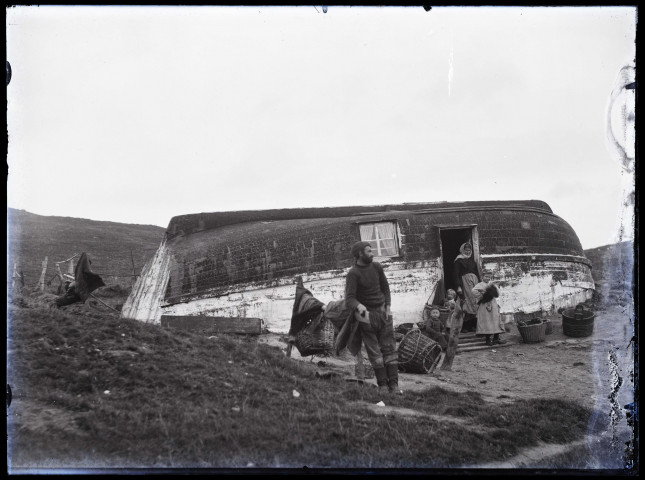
x=466 y=276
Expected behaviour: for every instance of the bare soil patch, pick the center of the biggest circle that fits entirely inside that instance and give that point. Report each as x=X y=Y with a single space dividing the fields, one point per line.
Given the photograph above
x=596 y=372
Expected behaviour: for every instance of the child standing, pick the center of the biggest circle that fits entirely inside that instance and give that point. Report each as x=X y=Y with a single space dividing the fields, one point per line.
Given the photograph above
x=489 y=320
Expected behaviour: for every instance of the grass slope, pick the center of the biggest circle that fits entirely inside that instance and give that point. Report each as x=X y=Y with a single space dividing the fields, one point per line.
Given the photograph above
x=31 y=237
x=613 y=263
x=93 y=390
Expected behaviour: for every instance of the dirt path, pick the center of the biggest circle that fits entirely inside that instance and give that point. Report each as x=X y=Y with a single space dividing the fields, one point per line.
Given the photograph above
x=596 y=371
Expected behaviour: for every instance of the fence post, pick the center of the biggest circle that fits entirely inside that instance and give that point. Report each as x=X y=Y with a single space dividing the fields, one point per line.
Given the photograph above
x=41 y=282
x=14 y=275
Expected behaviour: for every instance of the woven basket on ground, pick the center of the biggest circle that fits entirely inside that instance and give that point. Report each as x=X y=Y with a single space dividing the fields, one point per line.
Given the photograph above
x=549 y=326
x=320 y=342
x=418 y=353
x=532 y=331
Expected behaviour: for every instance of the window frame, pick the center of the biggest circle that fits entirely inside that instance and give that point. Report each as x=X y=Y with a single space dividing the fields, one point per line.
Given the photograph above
x=396 y=238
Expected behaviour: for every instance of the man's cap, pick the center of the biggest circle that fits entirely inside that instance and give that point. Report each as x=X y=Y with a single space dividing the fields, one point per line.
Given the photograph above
x=359 y=247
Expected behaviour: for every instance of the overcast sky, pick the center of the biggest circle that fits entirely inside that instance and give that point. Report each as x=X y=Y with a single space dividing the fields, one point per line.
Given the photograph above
x=136 y=115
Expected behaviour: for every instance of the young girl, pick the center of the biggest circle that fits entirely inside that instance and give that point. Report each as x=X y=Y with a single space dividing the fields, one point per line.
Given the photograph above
x=450 y=304
x=489 y=320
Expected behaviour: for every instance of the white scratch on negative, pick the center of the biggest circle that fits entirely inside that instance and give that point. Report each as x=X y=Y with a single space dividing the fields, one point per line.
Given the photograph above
x=450 y=72
x=450 y=65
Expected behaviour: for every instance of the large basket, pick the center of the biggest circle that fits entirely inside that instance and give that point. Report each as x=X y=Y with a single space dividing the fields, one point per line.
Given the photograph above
x=418 y=353
x=321 y=342
x=576 y=322
x=549 y=326
x=532 y=332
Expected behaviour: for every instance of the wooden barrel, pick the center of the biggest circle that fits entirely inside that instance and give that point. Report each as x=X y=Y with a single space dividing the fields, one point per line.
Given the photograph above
x=576 y=322
x=418 y=353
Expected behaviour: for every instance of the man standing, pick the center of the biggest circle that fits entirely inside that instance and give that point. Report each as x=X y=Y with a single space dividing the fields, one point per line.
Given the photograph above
x=367 y=292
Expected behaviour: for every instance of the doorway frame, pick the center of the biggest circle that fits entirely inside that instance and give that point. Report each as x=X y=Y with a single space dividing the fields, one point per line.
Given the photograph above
x=474 y=235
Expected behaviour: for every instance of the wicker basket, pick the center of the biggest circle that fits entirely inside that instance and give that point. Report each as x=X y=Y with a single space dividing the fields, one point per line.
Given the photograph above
x=577 y=322
x=532 y=332
x=418 y=353
x=549 y=326
x=321 y=342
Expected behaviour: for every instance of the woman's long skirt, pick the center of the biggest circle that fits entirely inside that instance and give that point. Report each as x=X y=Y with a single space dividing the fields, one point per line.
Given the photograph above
x=468 y=282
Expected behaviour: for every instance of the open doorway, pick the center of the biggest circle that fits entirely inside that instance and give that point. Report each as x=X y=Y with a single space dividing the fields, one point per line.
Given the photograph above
x=451 y=239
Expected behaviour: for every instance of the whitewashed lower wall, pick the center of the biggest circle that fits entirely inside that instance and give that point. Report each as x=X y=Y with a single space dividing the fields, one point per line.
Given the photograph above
x=524 y=287
x=539 y=285
x=410 y=286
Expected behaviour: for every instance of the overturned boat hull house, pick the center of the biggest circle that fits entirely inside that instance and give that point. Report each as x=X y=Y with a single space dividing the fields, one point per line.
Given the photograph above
x=245 y=264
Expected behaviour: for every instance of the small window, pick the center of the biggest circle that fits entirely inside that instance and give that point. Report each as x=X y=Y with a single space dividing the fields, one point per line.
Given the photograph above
x=382 y=237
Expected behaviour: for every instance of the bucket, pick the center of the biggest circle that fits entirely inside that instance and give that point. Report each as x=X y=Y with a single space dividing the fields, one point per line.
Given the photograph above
x=577 y=322
x=418 y=353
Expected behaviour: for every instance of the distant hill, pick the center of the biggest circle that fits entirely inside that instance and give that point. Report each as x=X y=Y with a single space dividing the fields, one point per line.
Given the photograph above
x=109 y=245
x=613 y=263
x=31 y=237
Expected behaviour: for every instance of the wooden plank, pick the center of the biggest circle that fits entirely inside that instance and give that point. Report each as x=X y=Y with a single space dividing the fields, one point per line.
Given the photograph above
x=475 y=348
x=453 y=340
x=249 y=326
x=41 y=282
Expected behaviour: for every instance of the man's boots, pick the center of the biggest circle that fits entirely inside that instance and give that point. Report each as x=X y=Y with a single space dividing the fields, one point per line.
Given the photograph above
x=392 y=370
x=381 y=380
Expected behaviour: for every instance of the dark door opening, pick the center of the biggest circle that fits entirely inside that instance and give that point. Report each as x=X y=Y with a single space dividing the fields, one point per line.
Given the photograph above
x=451 y=240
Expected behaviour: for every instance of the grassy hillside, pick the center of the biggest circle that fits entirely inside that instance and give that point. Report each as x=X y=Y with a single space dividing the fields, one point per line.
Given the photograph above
x=613 y=263
x=32 y=237
x=93 y=390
